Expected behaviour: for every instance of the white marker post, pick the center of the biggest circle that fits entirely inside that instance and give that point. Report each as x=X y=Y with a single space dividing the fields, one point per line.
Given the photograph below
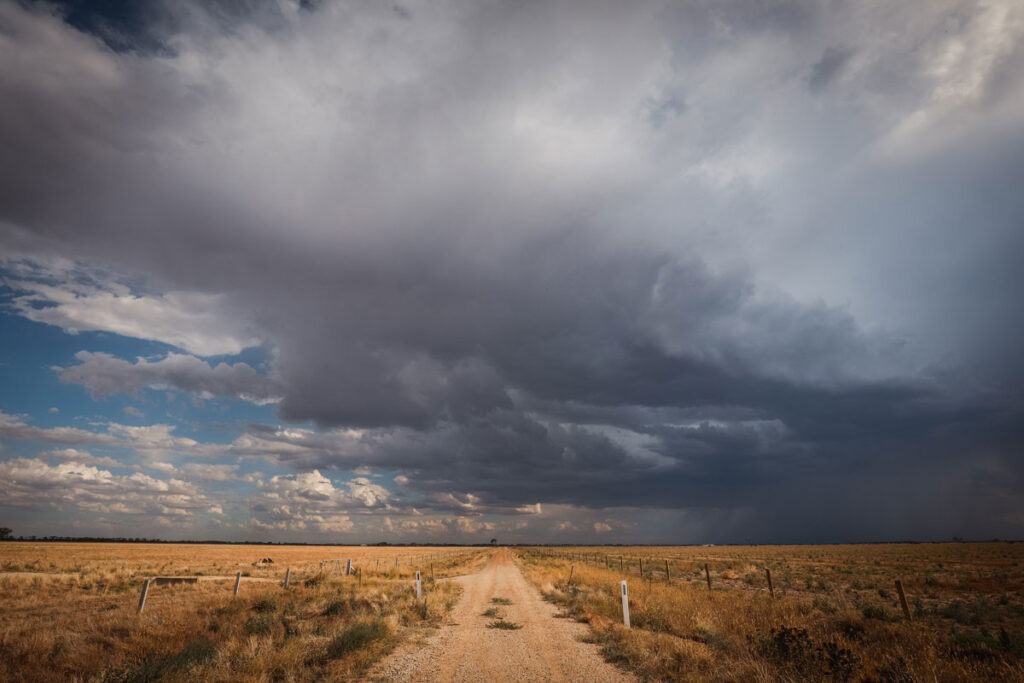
x=238 y=580
x=419 y=586
x=625 y=605
x=142 y=598
x=348 y=566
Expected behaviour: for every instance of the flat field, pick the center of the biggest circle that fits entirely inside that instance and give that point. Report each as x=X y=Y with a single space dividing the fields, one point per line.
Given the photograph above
x=835 y=615
x=68 y=611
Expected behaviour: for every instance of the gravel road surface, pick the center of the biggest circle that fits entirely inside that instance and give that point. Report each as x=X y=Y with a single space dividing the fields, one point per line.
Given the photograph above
x=546 y=648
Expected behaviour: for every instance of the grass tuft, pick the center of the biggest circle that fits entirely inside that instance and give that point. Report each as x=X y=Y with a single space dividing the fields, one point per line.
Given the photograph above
x=355 y=637
x=505 y=625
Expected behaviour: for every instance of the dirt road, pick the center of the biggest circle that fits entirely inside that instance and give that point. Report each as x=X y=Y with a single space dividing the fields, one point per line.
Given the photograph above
x=546 y=648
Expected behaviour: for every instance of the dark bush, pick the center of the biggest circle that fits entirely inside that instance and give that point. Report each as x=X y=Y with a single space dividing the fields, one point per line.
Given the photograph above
x=355 y=637
x=258 y=625
x=794 y=650
x=267 y=604
x=336 y=608
x=155 y=668
x=838 y=662
x=850 y=628
x=879 y=612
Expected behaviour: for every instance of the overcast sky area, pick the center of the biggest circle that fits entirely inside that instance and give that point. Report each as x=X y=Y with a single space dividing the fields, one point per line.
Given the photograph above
x=601 y=272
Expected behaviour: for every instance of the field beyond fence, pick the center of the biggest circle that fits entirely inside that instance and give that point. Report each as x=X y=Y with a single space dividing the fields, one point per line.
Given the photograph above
x=798 y=613
x=71 y=611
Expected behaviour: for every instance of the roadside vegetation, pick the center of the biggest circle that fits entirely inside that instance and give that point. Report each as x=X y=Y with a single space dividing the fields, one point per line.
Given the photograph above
x=835 y=616
x=325 y=625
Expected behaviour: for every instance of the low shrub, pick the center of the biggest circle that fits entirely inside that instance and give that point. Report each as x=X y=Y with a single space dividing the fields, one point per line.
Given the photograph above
x=266 y=604
x=258 y=625
x=355 y=637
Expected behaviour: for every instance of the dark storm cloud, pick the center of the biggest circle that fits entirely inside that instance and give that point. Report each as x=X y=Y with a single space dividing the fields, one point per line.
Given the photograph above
x=104 y=375
x=828 y=67
x=586 y=255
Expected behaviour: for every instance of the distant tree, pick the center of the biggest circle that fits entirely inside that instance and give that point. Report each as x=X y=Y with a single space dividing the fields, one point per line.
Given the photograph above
x=5 y=533
x=493 y=541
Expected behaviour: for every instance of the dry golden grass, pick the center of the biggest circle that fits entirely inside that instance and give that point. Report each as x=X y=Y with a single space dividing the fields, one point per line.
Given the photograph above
x=836 y=615
x=68 y=611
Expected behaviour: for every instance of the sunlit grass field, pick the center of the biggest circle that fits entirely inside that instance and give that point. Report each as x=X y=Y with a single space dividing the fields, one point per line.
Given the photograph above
x=68 y=611
x=836 y=614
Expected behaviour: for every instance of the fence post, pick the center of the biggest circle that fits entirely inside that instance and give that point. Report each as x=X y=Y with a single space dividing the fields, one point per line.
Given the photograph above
x=707 y=573
x=238 y=580
x=348 y=566
x=287 y=576
x=771 y=588
x=620 y=563
x=419 y=586
x=667 y=577
x=142 y=598
x=625 y=605
x=641 y=567
x=571 y=567
x=903 y=600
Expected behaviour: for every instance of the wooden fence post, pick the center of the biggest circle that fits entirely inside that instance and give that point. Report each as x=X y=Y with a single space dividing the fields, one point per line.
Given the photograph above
x=348 y=566
x=667 y=577
x=287 y=576
x=707 y=573
x=625 y=605
x=641 y=567
x=903 y=600
x=238 y=580
x=142 y=598
x=620 y=563
x=771 y=588
x=571 y=567
x=419 y=586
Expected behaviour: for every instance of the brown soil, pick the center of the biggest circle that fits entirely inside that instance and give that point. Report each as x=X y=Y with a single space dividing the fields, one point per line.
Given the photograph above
x=546 y=648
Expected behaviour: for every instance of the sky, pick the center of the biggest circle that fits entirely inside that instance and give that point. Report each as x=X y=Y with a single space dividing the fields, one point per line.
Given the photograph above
x=711 y=271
